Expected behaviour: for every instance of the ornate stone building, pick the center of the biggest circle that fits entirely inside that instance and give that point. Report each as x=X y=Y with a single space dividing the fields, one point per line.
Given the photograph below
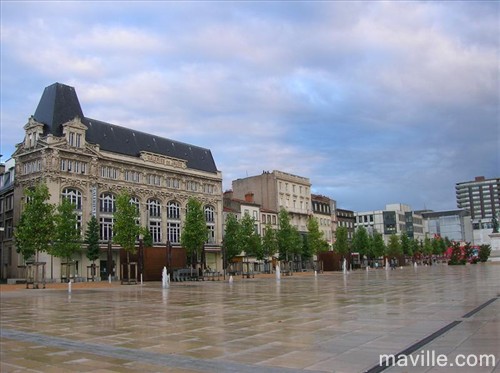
x=90 y=162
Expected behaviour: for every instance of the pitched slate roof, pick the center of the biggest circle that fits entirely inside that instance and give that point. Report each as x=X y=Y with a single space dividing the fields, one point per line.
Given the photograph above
x=59 y=104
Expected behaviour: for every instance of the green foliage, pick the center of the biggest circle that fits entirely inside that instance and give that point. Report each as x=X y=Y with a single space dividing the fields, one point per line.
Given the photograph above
x=361 y=242
x=125 y=228
x=92 y=239
x=406 y=246
x=457 y=256
x=67 y=239
x=416 y=247
x=341 y=244
x=296 y=243
x=427 y=248
x=484 y=252
x=378 y=248
x=195 y=232
x=269 y=242
x=147 y=237
x=34 y=231
x=249 y=239
x=285 y=236
x=314 y=244
x=393 y=248
x=231 y=243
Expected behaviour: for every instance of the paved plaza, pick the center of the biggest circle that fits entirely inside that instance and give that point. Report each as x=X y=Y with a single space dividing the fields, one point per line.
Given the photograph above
x=332 y=322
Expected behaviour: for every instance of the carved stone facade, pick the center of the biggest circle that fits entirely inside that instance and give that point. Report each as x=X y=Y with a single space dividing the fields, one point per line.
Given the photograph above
x=92 y=177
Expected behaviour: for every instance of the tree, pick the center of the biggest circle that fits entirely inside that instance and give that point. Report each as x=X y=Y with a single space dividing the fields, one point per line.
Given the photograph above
x=406 y=245
x=416 y=247
x=231 y=243
x=35 y=230
x=378 y=248
x=125 y=228
x=67 y=238
x=269 y=243
x=249 y=239
x=315 y=242
x=341 y=244
x=484 y=252
x=195 y=231
x=296 y=243
x=285 y=235
x=427 y=248
x=393 y=248
x=361 y=242
x=92 y=240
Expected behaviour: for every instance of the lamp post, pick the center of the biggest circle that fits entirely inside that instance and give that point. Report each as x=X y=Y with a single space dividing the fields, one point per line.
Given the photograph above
x=141 y=255
x=168 y=256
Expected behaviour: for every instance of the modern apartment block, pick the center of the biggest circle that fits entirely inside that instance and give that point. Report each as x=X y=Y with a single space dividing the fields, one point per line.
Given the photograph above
x=453 y=224
x=396 y=219
x=90 y=162
x=481 y=197
x=275 y=190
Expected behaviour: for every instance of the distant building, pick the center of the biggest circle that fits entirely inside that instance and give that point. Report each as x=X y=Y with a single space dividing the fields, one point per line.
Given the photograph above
x=347 y=219
x=396 y=219
x=482 y=198
x=454 y=224
x=241 y=207
x=90 y=162
x=324 y=211
x=276 y=190
x=7 y=212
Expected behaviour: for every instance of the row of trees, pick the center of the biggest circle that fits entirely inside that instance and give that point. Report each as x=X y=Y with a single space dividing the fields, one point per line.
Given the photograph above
x=373 y=246
x=241 y=237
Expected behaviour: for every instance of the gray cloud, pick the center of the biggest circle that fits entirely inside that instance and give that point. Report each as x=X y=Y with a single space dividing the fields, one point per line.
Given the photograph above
x=375 y=102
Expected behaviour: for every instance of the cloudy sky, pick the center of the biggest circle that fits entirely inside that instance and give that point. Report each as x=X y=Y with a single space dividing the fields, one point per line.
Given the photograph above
x=375 y=102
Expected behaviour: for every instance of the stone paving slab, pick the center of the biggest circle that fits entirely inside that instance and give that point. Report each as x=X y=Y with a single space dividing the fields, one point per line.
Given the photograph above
x=326 y=323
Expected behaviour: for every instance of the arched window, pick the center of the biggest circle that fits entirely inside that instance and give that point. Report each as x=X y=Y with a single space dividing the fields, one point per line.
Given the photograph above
x=154 y=221
x=154 y=208
x=106 y=209
x=173 y=210
x=210 y=219
x=135 y=202
x=107 y=203
x=173 y=222
x=209 y=214
x=74 y=196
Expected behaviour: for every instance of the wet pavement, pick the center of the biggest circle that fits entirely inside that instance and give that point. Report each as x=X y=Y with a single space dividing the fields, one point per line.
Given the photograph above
x=332 y=322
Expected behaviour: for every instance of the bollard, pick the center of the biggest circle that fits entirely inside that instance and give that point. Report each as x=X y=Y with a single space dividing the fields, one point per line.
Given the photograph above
x=69 y=287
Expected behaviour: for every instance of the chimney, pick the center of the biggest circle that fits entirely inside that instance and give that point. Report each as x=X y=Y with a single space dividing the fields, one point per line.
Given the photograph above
x=479 y=178
x=249 y=197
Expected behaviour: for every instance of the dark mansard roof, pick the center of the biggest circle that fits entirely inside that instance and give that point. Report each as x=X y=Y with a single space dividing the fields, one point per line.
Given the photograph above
x=59 y=104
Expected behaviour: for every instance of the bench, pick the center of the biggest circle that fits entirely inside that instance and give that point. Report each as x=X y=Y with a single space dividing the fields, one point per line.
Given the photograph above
x=212 y=275
x=185 y=274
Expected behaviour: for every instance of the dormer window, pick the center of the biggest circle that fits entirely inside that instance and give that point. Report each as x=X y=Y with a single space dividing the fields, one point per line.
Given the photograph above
x=74 y=131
